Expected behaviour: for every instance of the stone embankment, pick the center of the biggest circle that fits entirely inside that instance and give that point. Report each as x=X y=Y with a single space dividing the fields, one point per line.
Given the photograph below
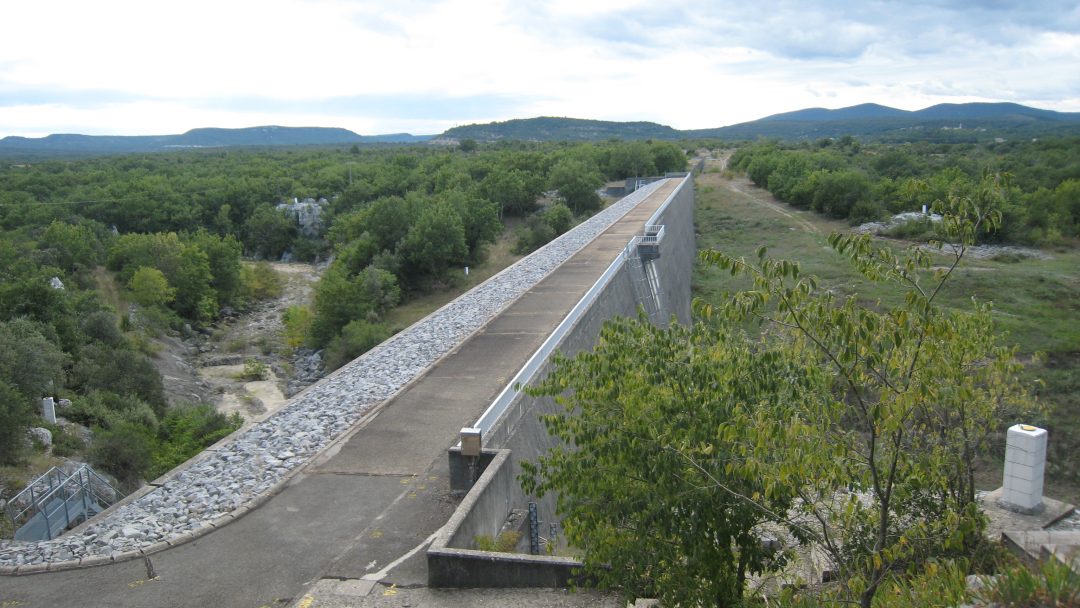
x=250 y=466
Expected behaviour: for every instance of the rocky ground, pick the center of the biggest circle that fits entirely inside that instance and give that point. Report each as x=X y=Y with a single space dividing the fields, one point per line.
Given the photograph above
x=207 y=367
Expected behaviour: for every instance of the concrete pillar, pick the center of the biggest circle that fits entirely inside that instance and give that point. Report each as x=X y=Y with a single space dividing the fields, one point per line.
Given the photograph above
x=1025 y=461
x=48 y=410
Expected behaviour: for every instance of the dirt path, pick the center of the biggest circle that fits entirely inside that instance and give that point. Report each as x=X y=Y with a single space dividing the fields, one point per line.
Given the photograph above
x=757 y=195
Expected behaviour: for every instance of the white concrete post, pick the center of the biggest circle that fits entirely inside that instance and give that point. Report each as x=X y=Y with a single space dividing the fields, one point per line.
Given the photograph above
x=48 y=410
x=1025 y=461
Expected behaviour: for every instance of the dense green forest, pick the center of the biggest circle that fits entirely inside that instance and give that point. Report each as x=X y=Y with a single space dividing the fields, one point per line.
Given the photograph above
x=170 y=232
x=846 y=179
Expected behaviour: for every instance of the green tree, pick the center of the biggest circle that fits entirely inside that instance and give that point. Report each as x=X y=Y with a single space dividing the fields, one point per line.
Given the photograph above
x=631 y=159
x=268 y=233
x=29 y=362
x=667 y=156
x=16 y=412
x=654 y=489
x=855 y=427
x=559 y=217
x=916 y=389
x=836 y=193
x=513 y=190
x=576 y=181
x=72 y=246
x=120 y=371
x=340 y=298
x=223 y=258
x=149 y=287
x=435 y=242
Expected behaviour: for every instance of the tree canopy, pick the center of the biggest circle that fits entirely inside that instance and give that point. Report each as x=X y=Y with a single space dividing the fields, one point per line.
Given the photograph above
x=848 y=426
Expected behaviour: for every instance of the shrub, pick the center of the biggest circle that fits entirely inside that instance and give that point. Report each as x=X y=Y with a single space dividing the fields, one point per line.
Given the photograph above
x=506 y=542
x=66 y=444
x=259 y=281
x=559 y=217
x=916 y=230
x=185 y=432
x=124 y=451
x=253 y=370
x=297 y=320
x=532 y=235
x=1055 y=584
x=355 y=339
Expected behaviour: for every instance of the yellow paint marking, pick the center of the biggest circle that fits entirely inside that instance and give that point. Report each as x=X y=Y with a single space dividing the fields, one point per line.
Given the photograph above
x=391 y=590
x=139 y=583
x=405 y=480
x=306 y=602
x=412 y=494
x=433 y=477
x=10 y=603
x=421 y=487
x=376 y=533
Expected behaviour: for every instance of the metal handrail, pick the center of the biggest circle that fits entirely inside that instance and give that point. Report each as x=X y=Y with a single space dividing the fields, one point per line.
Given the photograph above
x=510 y=393
x=84 y=484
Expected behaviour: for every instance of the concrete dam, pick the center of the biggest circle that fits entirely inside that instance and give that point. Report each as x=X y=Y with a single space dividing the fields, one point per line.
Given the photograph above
x=357 y=475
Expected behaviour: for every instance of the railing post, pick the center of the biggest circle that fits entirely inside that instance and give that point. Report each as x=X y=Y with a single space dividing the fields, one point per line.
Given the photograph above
x=48 y=526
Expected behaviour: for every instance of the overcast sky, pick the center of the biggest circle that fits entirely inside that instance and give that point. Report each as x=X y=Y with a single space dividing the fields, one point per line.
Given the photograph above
x=386 y=66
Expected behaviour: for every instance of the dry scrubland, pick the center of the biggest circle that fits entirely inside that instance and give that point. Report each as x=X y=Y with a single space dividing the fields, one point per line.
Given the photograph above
x=1036 y=302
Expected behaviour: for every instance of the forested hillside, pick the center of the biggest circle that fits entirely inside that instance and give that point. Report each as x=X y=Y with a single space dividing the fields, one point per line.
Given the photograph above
x=144 y=244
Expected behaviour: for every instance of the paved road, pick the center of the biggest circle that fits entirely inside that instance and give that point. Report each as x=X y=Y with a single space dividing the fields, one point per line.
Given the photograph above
x=367 y=502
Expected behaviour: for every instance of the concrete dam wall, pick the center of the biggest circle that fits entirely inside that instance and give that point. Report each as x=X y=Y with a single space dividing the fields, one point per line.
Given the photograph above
x=512 y=431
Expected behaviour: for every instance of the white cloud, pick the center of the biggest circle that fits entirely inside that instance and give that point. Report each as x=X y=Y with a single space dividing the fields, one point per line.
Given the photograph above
x=131 y=66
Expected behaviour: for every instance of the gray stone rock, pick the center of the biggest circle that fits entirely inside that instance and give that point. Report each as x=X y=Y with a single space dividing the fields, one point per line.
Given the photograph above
x=43 y=436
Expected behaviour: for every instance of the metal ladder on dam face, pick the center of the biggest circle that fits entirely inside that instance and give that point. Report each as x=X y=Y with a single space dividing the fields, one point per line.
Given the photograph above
x=58 y=501
x=640 y=254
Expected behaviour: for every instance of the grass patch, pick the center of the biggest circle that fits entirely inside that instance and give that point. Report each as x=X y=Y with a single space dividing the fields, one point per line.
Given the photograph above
x=1036 y=302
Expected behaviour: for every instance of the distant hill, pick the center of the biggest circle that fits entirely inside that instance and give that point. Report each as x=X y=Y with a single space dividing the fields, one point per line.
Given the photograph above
x=951 y=122
x=549 y=128
x=859 y=112
x=943 y=122
x=947 y=122
x=195 y=138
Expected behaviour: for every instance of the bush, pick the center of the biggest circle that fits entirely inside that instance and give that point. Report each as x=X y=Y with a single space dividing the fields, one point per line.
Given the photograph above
x=865 y=211
x=66 y=444
x=923 y=229
x=108 y=410
x=559 y=217
x=124 y=451
x=297 y=320
x=253 y=370
x=532 y=235
x=120 y=371
x=259 y=281
x=355 y=339
x=506 y=542
x=185 y=432
x=1055 y=584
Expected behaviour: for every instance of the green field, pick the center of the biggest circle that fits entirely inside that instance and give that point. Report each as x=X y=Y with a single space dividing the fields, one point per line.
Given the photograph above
x=1037 y=302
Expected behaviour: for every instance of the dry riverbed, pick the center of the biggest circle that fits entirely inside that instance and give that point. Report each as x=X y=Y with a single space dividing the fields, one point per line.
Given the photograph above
x=211 y=368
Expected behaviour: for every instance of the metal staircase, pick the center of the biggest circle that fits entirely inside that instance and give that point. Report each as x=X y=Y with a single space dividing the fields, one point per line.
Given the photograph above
x=640 y=254
x=58 y=501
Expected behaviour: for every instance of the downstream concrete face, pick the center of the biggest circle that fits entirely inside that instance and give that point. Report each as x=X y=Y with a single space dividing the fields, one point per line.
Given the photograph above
x=519 y=435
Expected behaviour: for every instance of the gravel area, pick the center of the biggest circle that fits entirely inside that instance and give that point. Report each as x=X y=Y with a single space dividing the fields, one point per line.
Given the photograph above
x=229 y=480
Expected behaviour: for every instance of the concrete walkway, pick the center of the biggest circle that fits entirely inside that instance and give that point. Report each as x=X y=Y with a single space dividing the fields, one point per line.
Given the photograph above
x=367 y=506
